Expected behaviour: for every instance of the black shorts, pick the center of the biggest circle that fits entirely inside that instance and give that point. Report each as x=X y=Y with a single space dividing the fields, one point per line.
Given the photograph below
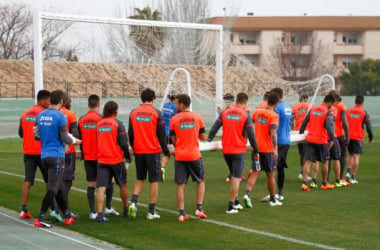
x=267 y=163
x=31 y=162
x=148 y=163
x=301 y=148
x=282 y=154
x=235 y=163
x=316 y=152
x=91 y=168
x=355 y=147
x=106 y=172
x=342 y=146
x=55 y=167
x=335 y=150
x=69 y=172
x=183 y=169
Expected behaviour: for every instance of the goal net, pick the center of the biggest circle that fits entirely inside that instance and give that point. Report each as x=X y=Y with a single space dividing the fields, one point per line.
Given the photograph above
x=118 y=58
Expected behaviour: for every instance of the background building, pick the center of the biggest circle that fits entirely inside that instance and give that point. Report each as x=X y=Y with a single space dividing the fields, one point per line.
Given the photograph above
x=304 y=42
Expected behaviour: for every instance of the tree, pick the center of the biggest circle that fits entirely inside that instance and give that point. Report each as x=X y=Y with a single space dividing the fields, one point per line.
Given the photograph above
x=147 y=39
x=15 y=32
x=53 y=48
x=361 y=78
x=301 y=59
x=16 y=41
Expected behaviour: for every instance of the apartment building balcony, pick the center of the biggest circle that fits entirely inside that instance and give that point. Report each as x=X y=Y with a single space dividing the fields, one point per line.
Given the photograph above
x=251 y=49
x=348 y=49
x=296 y=49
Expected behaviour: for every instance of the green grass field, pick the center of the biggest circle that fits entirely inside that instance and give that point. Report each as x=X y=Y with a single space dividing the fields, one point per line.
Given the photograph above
x=341 y=218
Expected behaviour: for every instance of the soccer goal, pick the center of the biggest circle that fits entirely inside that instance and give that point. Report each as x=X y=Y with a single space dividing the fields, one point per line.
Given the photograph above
x=119 y=57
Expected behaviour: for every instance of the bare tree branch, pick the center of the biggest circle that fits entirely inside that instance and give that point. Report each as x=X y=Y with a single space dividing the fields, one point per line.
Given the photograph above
x=16 y=36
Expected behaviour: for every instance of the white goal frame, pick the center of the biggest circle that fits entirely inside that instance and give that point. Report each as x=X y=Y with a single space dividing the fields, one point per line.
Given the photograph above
x=37 y=41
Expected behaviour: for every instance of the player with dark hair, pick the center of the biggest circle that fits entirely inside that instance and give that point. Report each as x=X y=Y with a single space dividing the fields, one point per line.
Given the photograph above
x=147 y=138
x=89 y=149
x=185 y=129
x=357 y=118
x=335 y=151
x=237 y=124
x=51 y=129
x=69 y=170
x=319 y=140
x=112 y=144
x=32 y=149
x=341 y=128
x=266 y=123
x=283 y=139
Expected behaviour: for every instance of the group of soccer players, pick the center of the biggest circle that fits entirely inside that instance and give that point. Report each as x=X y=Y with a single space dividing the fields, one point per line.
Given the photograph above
x=50 y=125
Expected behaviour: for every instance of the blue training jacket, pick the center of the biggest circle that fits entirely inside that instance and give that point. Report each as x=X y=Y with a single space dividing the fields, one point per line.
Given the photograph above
x=285 y=114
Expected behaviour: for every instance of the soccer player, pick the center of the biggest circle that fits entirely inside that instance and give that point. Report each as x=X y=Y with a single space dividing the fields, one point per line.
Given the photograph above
x=266 y=123
x=228 y=102
x=168 y=111
x=32 y=149
x=299 y=112
x=147 y=138
x=69 y=170
x=51 y=128
x=341 y=130
x=283 y=139
x=237 y=124
x=89 y=148
x=319 y=140
x=185 y=129
x=335 y=151
x=112 y=144
x=357 y=117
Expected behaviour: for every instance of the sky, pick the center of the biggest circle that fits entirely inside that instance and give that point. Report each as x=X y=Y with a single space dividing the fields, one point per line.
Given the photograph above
x=108 y=8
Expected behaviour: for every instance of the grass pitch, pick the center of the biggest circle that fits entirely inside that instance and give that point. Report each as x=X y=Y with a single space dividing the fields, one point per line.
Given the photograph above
x=340 y=218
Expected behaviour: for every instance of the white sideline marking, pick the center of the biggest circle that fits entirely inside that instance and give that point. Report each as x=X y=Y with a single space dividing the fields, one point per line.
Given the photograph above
x=49 y=231
x=219 y=223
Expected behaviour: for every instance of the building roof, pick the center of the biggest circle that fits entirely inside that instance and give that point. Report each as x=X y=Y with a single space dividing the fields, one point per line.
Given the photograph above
x=336 y=23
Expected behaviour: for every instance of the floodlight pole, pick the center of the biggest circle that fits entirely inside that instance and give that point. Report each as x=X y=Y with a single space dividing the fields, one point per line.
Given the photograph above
x=37 y=54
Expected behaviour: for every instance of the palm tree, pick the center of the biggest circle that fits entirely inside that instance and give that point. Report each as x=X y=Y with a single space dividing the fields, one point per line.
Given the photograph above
x=148 y=39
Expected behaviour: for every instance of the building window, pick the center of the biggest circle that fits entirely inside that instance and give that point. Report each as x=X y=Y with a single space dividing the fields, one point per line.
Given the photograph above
x=299 y=61
x=247 y=38
x=293 y=39
x=350 y=39
x=297 y=38
x=347 y=61
x=232 y=38
x=295 y=62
